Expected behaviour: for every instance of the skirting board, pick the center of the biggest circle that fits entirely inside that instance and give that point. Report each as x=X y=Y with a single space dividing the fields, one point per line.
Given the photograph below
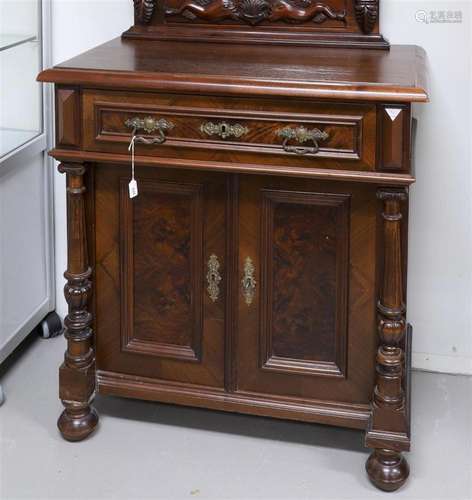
x=455 y=365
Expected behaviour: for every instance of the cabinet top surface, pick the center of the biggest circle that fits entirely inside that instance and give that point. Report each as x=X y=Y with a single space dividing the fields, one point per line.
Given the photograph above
x=397 y=75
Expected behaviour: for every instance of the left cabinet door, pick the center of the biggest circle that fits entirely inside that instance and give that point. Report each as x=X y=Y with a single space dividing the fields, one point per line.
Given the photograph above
x=160 y=274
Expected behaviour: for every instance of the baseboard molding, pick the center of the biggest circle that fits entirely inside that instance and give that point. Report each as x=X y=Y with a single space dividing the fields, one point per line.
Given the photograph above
x=456 y=365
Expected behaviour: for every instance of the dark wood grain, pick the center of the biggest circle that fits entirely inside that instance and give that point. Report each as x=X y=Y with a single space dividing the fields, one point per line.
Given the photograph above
x=154 y=317
x=68 y=117
x=394 y=131
x=162 y=296
x=389 y=428
x=345 y=380
x=349 y=415
x=305 y=272
x=379 y=178
x=398 y=75
x=350 y=129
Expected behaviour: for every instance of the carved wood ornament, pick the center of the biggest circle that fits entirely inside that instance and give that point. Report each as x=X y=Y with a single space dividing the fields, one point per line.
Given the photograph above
x=144 y=10
x=255 y=11
x=367 y=13
x=77 y=373
x=348 y=22
x=386 y=467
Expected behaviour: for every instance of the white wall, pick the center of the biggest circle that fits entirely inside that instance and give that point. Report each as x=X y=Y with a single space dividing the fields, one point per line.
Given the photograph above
x=440 y=269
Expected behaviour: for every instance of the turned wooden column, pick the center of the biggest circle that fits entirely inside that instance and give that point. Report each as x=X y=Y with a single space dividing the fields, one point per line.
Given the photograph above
x=77 y=373
x=389 y=430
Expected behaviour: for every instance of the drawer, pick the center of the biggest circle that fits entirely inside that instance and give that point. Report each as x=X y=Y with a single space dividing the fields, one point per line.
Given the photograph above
x=289 y=132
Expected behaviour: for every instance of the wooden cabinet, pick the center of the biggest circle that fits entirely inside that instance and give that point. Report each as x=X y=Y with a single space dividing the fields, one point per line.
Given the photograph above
x=291 y=262
x=262 y=266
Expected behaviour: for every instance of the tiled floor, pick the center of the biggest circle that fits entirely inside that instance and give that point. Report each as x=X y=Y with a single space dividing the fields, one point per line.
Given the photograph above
x=145 y=450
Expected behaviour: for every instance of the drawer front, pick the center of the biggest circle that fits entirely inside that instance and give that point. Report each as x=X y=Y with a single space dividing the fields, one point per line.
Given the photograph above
x=290 y=132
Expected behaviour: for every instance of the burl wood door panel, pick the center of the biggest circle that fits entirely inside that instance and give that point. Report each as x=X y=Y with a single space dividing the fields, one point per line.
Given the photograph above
x=308 y=327
x=156 y=314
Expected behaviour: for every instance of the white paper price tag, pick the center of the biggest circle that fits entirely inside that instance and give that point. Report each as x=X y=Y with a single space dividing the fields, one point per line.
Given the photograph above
x=133 y=188
x=133 y=185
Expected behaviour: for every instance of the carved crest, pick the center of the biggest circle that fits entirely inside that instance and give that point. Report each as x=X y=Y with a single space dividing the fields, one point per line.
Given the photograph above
x=144 y=10
x=255 y=11
x=367 y=12
x=340 y=23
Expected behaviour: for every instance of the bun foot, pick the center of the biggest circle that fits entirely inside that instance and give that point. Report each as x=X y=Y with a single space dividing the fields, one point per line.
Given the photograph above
x=387 y=469
x=76 y=424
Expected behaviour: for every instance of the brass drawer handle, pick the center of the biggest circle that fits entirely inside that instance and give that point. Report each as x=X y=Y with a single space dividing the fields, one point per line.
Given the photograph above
x=213 y=277
x=149 y=125
x=302 y=135
x=249 y=281
x=223 y=129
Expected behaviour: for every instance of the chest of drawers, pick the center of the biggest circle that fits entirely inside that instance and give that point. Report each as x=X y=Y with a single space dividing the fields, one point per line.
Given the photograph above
x=262 y=266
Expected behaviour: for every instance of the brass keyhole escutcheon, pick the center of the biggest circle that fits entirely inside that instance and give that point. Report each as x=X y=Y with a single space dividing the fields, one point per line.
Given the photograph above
x=223 y=130
x=249 y=281
x=213 y=278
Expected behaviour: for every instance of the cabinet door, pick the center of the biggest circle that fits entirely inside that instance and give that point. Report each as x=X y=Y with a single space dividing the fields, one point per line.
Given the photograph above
x=160 y=274
x=307 y=269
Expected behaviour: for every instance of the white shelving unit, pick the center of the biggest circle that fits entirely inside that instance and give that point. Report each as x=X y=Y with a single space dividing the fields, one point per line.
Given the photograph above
x=26 y=173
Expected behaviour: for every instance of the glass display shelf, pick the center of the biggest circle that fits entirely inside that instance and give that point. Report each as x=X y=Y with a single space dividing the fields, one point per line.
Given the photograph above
x=8 y=41
x=11 y=139
x=20 y=98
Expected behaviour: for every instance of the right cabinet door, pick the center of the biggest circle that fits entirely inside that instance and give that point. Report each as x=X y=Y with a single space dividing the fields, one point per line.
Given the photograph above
x=307 y=276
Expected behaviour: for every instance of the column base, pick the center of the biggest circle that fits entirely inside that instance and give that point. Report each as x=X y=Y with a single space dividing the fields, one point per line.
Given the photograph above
x=388 y=470
x=76 y=424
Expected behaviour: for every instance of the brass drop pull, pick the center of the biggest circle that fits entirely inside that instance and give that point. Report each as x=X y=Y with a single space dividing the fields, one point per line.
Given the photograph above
x=213 y=277
x=249 y=281
x=302 y=135
x=223 y=129
x=149 y=125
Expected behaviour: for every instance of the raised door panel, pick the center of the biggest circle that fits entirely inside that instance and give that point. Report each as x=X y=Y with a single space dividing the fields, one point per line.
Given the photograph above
x=307 y=295
x=162 y=269
x=305 y=240
x=160 y=275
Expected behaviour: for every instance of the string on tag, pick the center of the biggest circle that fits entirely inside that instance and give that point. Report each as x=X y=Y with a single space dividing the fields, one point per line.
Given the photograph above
x=133 y=185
